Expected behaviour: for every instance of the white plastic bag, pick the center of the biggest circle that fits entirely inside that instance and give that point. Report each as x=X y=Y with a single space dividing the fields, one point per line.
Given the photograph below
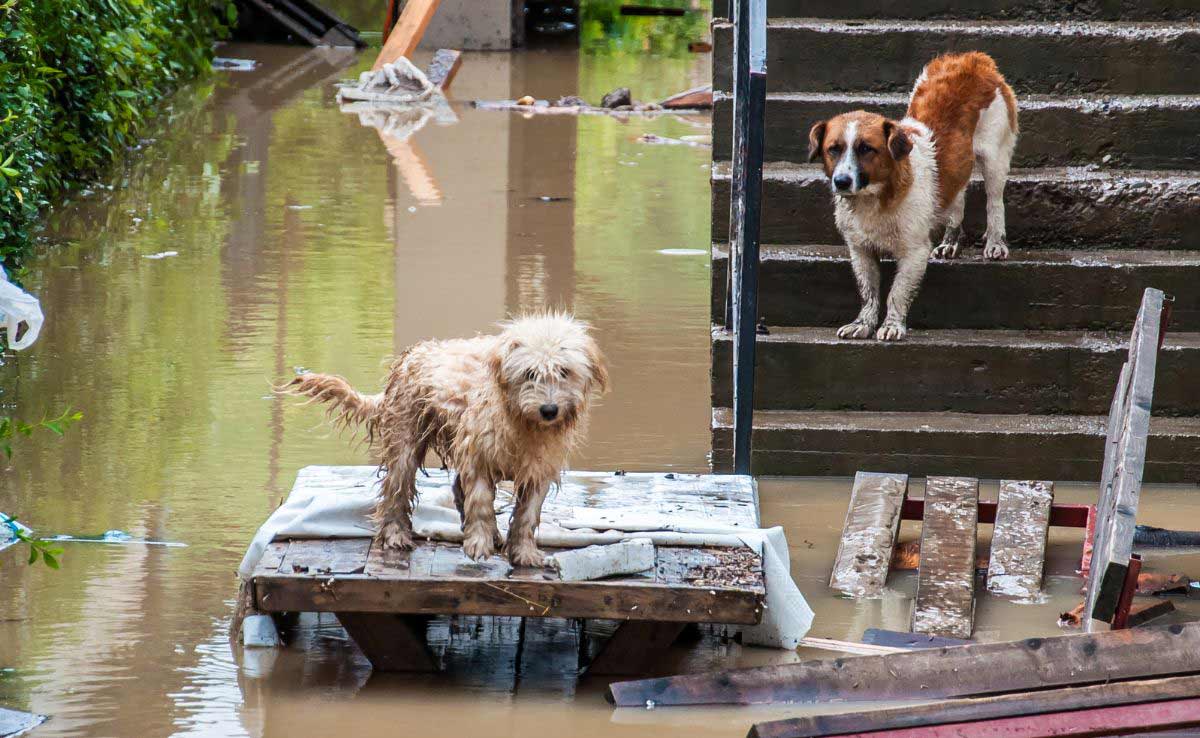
x=17 y=306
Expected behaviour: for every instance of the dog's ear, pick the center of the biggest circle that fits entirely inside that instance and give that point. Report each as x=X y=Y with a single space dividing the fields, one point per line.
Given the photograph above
x=597 y=368
x=504 y=347
x=816 y=140
x=898 y=142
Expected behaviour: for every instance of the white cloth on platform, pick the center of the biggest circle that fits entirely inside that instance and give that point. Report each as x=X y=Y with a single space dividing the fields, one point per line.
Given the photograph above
x=676 y=510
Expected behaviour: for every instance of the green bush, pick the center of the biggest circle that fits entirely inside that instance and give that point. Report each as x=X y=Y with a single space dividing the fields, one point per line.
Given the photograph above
x=77 y=80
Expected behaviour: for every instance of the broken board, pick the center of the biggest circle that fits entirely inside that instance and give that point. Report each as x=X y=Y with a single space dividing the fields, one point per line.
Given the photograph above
x=1124 y=460
x=872 y=521
x=945 y=602
x=960 y=671
x=1018 y=556
x=443 y=67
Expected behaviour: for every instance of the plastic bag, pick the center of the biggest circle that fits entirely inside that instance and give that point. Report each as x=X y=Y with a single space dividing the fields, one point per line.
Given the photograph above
x=17 y=306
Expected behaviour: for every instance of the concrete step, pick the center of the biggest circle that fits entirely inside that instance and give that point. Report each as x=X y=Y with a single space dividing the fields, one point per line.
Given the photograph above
x=989 y=371
x=1046 y=208
x=1034 y=290
x=1034 y=10
x=1140 y=132
x=1064 y=447
x=815 y=55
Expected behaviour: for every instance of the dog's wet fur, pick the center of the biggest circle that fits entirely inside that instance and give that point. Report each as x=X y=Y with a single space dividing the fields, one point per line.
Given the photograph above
x=510 y=406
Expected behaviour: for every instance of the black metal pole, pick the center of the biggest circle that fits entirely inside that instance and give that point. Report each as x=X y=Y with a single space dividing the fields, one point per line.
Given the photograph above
x=740 y=12
x=749 y=112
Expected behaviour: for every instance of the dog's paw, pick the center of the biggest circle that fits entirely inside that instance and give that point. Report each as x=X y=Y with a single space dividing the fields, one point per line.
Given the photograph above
x=996 y=250
x=525 y=556
x=856 y=330
x=891 y=330
x=479 y=545
x=946 y=251
x=394 y=536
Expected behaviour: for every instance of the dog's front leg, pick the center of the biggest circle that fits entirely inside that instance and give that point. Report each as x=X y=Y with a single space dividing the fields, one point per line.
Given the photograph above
x=866 y=273
x=909 y=272
x=521 y=548
x=479 y=519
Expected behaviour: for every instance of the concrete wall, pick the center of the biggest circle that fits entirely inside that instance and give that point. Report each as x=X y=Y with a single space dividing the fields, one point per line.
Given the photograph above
x=472 y=25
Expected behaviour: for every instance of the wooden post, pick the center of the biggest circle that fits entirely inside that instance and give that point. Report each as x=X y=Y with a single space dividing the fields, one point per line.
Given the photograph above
x=636 y=647
x=404 y=37
x=746 y=208
x=390 y=642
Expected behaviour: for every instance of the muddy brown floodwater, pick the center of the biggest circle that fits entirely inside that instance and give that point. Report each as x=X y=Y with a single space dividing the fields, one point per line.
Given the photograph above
x=303 y=238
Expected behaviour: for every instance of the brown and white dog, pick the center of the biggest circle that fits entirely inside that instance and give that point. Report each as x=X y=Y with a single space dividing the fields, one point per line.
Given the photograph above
x=895 y=181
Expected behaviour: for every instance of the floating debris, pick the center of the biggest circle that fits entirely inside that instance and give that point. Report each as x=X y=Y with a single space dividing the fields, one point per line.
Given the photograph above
x=114 y=537
x=234 y=65
x=682 y=252
x=160 y=255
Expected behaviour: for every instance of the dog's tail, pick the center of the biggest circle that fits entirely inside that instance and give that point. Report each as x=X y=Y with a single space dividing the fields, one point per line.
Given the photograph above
x=348 y=408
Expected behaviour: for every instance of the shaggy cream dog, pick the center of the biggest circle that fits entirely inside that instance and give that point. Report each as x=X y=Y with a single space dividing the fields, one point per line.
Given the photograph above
x=505 y=407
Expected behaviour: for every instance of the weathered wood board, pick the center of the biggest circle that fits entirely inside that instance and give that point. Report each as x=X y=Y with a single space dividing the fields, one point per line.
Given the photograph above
x=961 y=671
x=1018 y=556
x=880 y=637
x=405 y=35
x=1124 y=460
x=872 y=520
x=437 y=578
x=443 y=67
x=981 y=708
x=945 y=602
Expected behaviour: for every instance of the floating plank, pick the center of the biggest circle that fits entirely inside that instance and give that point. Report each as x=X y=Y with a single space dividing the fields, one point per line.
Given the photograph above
x=858 y=649
x=896 y=639
x=697 y=98
x=984 y=708
x=1124 y=461
x=945 y=603
x=974 y=670
x=872 y=521
x=1018 y=556
x=405 y=35
x=443 y=67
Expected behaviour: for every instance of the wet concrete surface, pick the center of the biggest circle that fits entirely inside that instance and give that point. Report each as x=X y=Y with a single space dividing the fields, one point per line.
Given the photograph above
x=303 y=239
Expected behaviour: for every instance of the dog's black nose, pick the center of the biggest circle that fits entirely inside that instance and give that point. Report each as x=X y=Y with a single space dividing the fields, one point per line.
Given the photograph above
x=842 y=182
x=549 y=412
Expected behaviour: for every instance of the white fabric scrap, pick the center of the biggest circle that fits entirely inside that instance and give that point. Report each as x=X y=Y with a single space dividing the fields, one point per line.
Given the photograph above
x=340 y=508
x=17 y=305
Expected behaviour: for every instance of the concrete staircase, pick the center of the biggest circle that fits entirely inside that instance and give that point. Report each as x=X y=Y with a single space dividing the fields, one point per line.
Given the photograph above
x=1009 y=367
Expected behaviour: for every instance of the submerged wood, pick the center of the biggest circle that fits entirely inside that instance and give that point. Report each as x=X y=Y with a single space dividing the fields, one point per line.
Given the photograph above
x=961 y=671
x=945 y=602
x=872 y=522
x=983 y=708
x=1018 y=556
x=880 y=637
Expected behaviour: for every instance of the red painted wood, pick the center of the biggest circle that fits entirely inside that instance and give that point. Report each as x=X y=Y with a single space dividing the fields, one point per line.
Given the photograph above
x=1062 y=516
x=1121 y=617
x=1102 y=721
x=1089 y=543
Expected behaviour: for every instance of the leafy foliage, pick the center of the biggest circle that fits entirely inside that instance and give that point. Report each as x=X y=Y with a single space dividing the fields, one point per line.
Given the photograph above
x=79 y=79
x=9 y=429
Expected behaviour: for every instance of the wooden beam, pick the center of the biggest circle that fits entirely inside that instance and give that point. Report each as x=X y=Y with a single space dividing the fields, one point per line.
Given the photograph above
x=636 y=647
x=945 y=602
x=1124 y=461
x=1018 y=555
x=961 y=671
x=404 y=37
x=1142 y=615
x=443 y=68
x=390 y=642
x=880 y=637
x=872 y=521
x=983 y=708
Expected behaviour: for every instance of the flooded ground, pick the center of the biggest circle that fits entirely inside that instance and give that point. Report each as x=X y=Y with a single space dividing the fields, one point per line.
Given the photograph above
x=303 y=238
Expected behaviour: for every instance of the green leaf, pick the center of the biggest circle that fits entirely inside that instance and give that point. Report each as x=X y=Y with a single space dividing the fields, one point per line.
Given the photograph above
x=33 y=554
x=50 y=560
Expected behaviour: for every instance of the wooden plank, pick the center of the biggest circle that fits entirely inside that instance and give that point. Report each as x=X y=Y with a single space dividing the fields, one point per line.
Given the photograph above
x=860 y=568
x=390 y=642
x=404 y=37
x=273 y=556
x=636 y=647
x=1142 y=615
x=974 y=670
x=1097 y=721
x=326 y=556
x=945 y=602
x=444 y=67
x=984 y=708
x=857 y=649
x=1018 y=556
x=1124 y=461
x=880 y=637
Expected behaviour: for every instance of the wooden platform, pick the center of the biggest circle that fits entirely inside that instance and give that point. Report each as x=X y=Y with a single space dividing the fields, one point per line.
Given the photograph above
x=380 y=596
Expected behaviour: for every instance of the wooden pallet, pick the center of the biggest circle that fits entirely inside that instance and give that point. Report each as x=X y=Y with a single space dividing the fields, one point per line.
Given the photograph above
x=381 y=597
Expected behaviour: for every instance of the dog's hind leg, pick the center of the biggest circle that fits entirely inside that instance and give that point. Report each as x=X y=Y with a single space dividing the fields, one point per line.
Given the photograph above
x=480 y=532
x=521 y=549
x=866 y=275
x=995 y=139
x=398 y=494
x=952 y=238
